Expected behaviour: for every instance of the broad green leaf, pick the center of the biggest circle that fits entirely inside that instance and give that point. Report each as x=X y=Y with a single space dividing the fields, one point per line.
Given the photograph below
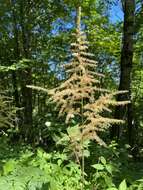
x=103 y=160
x=86 y=153
x=109 y=168
x=123 y=185
x=9 y=167
x=98 y=166
x=74 y=132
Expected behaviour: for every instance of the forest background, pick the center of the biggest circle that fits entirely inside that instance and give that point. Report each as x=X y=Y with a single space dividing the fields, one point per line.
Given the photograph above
x=36 y=44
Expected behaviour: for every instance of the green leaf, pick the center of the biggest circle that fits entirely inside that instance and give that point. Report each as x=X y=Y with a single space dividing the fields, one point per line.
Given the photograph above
x=59 y=162
x=53 y=185
x=74 y=132
x=63 y=140
x=109 y=168
x=103 y=160
x=123 y=185
x=86 y=153
x=98 y=166
x=9 y=167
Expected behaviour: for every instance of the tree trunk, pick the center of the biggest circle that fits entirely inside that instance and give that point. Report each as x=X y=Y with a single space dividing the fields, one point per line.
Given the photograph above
x=126 y=68
x=16 y=56
x=27 y=73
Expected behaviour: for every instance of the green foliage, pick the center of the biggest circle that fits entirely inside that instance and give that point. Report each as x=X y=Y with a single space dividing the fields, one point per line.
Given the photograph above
x=27 y=170
x=39 y=171
x=21 y=65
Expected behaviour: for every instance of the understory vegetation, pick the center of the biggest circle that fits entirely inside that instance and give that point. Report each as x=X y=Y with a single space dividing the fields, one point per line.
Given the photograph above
x=71 y=95
x=112 y=168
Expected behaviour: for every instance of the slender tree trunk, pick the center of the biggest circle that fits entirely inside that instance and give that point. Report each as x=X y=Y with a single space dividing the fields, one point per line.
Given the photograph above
x=16 y=58
x=126 y=68
x=27 y=73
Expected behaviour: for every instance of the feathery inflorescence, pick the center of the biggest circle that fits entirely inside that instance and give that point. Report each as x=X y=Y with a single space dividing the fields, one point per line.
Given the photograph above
x=77 y=95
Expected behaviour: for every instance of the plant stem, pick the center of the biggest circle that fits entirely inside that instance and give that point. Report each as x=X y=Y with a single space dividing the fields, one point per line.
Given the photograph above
x=78 y=26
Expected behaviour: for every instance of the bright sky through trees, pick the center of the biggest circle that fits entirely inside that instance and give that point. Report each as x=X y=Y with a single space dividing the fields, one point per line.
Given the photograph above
x=116 y=13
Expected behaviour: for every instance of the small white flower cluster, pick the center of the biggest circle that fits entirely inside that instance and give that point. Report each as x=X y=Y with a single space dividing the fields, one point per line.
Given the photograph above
x=48 y=123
